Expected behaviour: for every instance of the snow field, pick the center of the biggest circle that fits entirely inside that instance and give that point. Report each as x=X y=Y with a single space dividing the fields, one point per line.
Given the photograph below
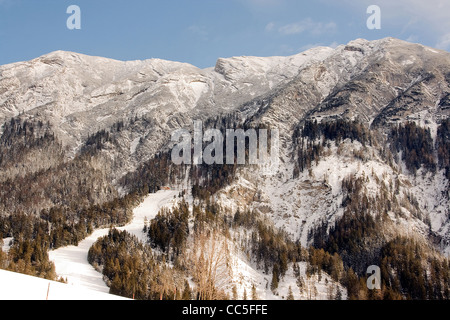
x=15 y=286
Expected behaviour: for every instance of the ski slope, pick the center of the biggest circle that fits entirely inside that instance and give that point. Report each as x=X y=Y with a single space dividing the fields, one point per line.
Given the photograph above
x=71 y=262
x=16 y=286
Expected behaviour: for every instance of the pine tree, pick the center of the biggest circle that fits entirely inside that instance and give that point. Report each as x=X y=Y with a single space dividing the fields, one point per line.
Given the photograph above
x=274 y=284
x=254 y=294
x=186 y=292
x=116 y=286
x=290 y=294
x=338 y=294
x=352 y=284
x=275 y=278
x=234 y=293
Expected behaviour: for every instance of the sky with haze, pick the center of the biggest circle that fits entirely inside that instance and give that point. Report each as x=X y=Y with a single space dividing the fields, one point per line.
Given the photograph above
x=201 y=31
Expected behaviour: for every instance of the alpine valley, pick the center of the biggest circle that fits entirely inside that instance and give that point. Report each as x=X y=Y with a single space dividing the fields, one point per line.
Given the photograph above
x=362 y=180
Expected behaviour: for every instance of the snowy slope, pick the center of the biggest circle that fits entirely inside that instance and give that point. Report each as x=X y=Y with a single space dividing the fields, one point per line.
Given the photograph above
x=246 y=274
x=374 y=83
x=299 y=206
x=15 y=286
x=71 y=262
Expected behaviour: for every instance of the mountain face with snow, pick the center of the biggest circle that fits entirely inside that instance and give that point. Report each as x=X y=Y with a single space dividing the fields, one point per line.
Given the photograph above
x=363 y=129
x=379 y=84
x=82 y=95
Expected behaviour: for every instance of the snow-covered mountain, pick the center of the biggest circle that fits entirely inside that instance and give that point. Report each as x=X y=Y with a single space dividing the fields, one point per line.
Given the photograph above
x=363 y=129
x=378 y=83
x=81 y=95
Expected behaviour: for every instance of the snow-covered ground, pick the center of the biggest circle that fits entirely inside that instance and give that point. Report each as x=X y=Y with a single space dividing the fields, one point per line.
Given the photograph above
x=16 y=286
x=71 y=262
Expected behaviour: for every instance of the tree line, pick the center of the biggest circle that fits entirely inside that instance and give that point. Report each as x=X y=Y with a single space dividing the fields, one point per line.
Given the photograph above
x=416 y=146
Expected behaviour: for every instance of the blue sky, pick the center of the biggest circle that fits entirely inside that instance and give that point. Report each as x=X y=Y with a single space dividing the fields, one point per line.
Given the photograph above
x=200 y=31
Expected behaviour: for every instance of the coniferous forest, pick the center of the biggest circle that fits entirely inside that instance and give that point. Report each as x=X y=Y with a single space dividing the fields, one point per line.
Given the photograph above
x=43 y=216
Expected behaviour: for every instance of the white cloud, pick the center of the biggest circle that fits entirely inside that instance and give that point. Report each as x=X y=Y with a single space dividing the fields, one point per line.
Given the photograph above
x=293 y=28
x=444 y=42
x=430 y=18
x=423 y=19
x=270 y=26
x=308 y=25
x=426 y=15
x=413 y=38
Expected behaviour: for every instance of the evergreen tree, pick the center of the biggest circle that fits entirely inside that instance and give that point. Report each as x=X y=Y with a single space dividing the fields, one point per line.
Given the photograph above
x=186 y=292
x=290 y=295
x=254 y=294
x=338 y=293
x=234 y=293
x=274 y=283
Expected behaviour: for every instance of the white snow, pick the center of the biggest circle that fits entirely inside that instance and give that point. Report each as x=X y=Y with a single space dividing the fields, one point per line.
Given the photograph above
x=134 y=145
x=198 y=87
x=408 y=62
x=15 y=286
x=6 y=244
x=431 y=50
x=71 y=264
x=101 y=119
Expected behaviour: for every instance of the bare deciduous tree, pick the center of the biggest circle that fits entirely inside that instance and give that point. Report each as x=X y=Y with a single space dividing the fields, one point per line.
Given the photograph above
x=209 y=263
